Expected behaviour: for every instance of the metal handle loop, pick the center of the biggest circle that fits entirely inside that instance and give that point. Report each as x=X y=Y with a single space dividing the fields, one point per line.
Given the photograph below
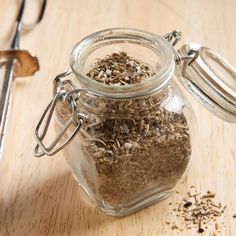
x=173 y=38
x=61 y=95
x=193 y=55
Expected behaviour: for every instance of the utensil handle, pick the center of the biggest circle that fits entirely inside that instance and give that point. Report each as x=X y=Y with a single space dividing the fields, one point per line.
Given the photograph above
x=6 y=78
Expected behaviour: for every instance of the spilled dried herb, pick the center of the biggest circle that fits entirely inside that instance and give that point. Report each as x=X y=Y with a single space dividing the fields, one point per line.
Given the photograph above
x=201 y=212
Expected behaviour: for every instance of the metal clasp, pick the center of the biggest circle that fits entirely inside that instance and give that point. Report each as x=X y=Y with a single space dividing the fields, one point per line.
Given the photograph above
x=60 y=95
x=173 y=38
x=192 y=56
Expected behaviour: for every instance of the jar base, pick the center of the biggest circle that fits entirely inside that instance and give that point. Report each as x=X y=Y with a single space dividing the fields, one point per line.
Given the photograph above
x=126 y=209
x=153 y=197
x=146 y=199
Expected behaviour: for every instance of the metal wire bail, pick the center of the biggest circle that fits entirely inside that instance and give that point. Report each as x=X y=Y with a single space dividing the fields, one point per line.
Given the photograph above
x=60 y=95
x=173 y=38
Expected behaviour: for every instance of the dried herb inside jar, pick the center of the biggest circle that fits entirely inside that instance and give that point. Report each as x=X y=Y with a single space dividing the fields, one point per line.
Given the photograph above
x=120 y=69
x=137 y=145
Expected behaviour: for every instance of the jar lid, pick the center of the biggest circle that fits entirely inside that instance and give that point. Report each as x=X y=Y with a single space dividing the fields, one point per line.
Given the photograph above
x=210 y=79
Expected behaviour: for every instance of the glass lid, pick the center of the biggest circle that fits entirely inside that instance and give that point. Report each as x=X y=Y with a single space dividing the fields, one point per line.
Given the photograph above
x=210 y=79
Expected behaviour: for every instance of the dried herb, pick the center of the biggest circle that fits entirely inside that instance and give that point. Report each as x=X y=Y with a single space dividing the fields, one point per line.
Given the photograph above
x=119 y=69
x=200 y=230
x=188 y=204
x=200 y=211
x=136 y=145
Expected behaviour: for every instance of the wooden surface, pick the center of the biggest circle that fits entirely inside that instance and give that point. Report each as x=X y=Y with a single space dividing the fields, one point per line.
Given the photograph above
x=40 y=196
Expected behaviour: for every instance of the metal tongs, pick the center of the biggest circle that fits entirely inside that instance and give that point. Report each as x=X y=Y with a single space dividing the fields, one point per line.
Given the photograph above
x=15 y=63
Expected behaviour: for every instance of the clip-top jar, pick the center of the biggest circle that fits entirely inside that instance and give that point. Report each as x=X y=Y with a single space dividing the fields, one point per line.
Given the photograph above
x=128 y=146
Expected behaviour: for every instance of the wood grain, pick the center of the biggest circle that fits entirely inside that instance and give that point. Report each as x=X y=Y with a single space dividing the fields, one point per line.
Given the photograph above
x=39 y=196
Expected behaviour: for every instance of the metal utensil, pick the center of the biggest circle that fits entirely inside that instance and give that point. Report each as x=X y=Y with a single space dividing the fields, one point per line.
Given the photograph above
x=9 y=65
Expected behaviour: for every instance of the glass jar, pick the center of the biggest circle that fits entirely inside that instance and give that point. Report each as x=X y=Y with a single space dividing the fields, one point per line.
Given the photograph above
x=130 y=145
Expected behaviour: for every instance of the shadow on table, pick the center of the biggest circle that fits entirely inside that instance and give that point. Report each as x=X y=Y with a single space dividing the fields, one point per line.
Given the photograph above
x=57 y=207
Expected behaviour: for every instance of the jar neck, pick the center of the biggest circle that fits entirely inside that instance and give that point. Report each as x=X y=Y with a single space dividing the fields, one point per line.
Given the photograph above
x=130 y=107
x=148 y=48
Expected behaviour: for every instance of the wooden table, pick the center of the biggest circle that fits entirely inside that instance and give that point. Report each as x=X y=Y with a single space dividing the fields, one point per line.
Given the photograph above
x=40 y=196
